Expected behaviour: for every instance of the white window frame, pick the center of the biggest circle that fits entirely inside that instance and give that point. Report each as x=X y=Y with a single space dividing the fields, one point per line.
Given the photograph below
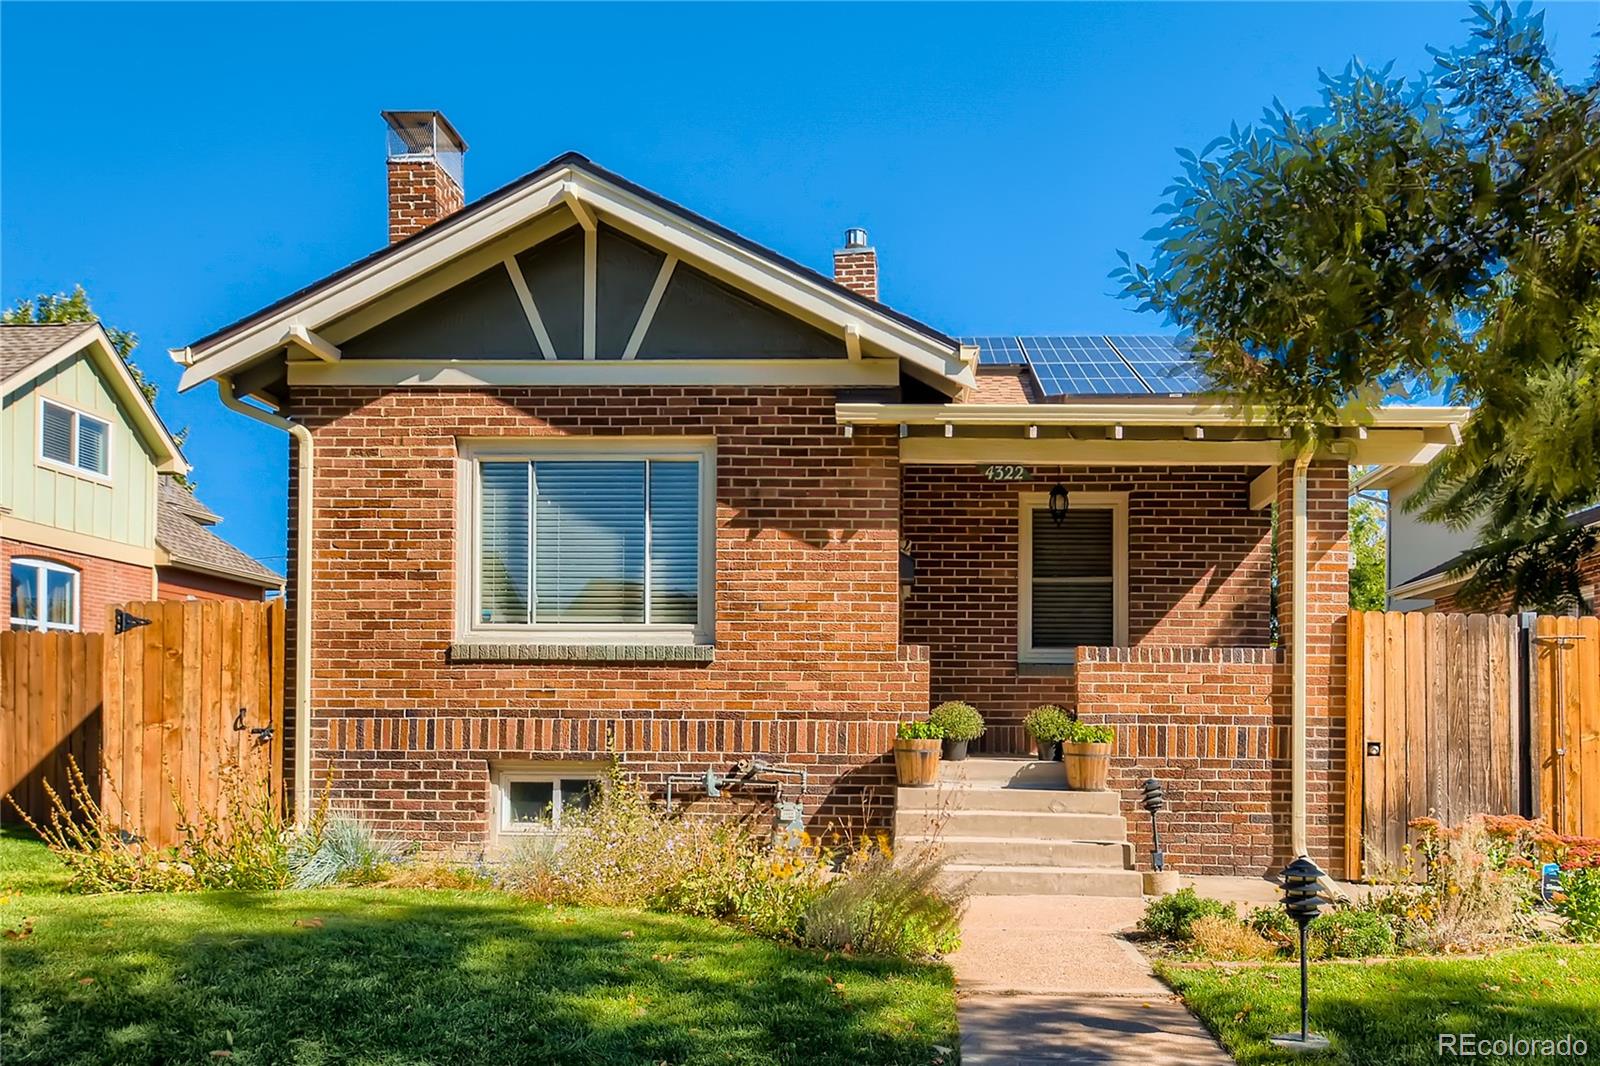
x=78 y=415
x=469 y=626
x=505 y=778
x=1027 y=503
x=41 y=587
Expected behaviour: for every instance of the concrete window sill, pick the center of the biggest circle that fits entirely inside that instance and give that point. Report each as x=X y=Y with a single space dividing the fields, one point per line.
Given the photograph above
x=1045 y=669
x=465 y=652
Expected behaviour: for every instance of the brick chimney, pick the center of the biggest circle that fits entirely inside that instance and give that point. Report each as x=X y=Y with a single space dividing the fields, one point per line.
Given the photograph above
x=855 y=266
x=425 y=172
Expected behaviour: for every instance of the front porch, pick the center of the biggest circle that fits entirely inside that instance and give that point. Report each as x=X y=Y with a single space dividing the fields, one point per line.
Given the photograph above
x=1142 y=596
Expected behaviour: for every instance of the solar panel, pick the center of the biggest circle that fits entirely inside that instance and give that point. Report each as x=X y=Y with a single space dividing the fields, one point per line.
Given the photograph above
x=1167 y=364
x=996 y=351
x=1080 y=366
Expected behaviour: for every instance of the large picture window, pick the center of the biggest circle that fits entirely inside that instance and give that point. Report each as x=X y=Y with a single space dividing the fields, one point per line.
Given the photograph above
x=44 y=595
x=1074 y=576
x=591 y=545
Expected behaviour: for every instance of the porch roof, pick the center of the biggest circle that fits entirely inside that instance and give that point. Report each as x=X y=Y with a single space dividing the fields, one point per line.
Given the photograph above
x=1164 y=431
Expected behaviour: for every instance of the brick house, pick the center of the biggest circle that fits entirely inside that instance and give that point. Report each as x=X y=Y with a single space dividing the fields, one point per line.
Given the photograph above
x=577 y=472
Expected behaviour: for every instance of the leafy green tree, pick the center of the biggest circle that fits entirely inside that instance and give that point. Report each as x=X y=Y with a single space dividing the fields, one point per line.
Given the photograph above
x=1410 y=238
x=1369 y=587
x=51 y=308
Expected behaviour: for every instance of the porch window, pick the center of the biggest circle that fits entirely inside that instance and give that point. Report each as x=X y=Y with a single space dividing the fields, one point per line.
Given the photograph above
x=1074 y=576
x=604 y=545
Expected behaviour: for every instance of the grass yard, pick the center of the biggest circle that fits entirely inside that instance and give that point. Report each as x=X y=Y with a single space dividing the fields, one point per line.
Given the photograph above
x=410 y=976
x=1391 y=1013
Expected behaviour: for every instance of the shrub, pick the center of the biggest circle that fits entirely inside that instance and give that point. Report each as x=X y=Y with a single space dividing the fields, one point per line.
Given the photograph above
x=1350 y=933
x=244 y=847
x=341 y=851
x=1578 y=902
x=745 y=881
x=1218 y=937
x=1274 y=925
x=1172 y=917
x=436 y=875
x=924 y=730
x=1084 y=733
x=957 y=720
x=882 y=905
x=1479 y=886
x=1048 y=723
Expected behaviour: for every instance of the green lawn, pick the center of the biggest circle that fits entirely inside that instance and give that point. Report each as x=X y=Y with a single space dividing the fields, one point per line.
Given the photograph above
x=410 y=976
x=1392 y=1013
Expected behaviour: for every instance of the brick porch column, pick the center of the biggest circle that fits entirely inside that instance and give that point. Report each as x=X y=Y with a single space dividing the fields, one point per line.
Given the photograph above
x=1327 y=607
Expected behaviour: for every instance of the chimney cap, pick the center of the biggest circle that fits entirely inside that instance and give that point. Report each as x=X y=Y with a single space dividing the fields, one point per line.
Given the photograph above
x=855 y=238
x=421 y=133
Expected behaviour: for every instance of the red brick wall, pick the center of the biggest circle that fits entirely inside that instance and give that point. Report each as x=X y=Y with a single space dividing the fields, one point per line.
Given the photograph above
x=175 y=584
x=1202 y=722
x=1198 y=575
x=857 y=271
x=808 y=667
x=420 y=194
x=102 y=583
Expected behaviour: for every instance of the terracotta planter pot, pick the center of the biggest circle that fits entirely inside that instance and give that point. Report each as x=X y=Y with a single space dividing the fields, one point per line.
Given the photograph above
x=1087 y=765
x=916 y=762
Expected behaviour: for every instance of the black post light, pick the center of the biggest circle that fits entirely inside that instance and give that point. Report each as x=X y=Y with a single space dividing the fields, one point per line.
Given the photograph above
x=1154 y=800
x=1302 y=898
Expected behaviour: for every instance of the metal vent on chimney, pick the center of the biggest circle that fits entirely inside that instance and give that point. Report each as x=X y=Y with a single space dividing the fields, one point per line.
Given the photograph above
x=855 y=237
x=427 y=135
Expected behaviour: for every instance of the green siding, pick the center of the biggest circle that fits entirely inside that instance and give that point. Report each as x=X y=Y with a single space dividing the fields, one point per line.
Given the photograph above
x=121 y=511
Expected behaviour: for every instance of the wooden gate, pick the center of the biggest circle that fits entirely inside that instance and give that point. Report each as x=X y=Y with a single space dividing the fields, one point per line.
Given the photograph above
x=49 y=715
x=173 y=708
x=1564 y=661
x=1434 y=725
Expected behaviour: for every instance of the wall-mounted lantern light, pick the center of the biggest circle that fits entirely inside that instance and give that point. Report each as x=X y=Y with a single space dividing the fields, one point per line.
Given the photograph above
x=1058 y=504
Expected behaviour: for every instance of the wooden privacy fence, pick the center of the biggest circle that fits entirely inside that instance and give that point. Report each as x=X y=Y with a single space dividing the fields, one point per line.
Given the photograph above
x=49 y=715
x=1453 y=715
x=181 y=704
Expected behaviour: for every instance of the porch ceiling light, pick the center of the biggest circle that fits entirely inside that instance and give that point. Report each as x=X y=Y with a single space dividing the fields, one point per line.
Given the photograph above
x=1058 y=504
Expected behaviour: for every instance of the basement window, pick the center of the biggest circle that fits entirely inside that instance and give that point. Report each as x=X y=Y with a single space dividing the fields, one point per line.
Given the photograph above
x=603 y=543
x=536 y=801
x=1073 y=587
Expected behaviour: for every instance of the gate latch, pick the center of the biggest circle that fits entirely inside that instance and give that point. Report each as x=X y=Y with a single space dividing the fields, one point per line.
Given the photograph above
x=263 y=734
x=1374 y=748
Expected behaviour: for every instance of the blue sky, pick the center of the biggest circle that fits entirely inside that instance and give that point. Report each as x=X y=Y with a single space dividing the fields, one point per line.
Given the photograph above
x=191 y=163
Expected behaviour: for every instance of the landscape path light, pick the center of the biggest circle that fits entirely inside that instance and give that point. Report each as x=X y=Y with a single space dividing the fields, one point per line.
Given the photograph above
x=1302 y=898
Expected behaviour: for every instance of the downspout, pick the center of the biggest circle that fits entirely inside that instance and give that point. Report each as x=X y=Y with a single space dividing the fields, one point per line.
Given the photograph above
x=302 y=604
x=1297 y=639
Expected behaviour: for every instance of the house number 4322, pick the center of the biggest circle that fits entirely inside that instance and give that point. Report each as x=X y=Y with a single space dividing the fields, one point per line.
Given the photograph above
x=1005 y=472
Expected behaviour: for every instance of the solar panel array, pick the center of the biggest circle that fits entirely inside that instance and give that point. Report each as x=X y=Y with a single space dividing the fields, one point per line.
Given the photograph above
x=1092 y=365
x=996 y=351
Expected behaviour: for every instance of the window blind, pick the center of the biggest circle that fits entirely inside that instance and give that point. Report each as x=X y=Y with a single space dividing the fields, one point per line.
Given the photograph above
x=1074 y=580
x=55 y=433
x=598 y=542
x=93 y=436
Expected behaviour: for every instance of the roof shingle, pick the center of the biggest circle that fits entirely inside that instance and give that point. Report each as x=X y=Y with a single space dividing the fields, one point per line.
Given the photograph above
x=25 y=344
x=183 y=531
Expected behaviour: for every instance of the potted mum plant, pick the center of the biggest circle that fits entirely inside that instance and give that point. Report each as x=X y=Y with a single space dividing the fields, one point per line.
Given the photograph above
x=960 y=723
x=916 y=753
x=1047 y=725
x=1086 y=755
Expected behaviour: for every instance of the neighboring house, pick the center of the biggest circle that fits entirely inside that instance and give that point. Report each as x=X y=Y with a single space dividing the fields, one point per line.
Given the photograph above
x=577 y=472
x=1422 y=554
x=193 y=563
x=83 y=450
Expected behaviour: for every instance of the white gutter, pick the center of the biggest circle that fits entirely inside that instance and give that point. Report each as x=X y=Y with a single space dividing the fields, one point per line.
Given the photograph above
x=302 y=604
x=1297 y=645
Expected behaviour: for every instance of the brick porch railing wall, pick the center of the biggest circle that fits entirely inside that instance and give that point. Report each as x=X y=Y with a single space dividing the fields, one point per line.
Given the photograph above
x=809 y=669
x=1203 y=723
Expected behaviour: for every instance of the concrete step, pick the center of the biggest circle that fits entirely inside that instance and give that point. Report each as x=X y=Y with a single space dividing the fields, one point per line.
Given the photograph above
x=960 y=797
x=1009 y=824
x=983 y=880
x=1007 y=851
x=998 y=772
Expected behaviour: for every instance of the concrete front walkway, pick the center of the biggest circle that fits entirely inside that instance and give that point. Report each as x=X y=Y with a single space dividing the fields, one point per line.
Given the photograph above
x=1045 y=980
